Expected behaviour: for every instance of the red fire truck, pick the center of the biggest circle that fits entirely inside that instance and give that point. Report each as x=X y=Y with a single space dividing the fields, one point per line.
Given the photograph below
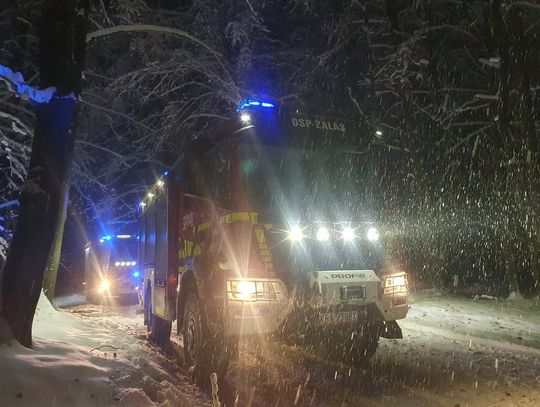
x=260 y=227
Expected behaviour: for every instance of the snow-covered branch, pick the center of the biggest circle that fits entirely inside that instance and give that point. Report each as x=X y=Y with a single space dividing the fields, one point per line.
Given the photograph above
x=7 y=204
x=16 y=83
x=148 y=28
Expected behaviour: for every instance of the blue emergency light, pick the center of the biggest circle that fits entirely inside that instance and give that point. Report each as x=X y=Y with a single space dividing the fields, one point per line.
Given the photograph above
x=106 y=237
x=254 y=103
x=136 y=274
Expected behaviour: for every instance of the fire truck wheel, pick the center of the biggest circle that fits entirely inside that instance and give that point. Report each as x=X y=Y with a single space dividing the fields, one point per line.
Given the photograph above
x=204 y=352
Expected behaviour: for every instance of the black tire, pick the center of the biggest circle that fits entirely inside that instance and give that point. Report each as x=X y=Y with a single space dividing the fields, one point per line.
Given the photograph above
x=204 y=352
x=159 y=329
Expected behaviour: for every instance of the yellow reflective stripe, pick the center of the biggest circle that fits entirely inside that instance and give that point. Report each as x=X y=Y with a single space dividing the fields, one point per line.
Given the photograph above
x=259 y=233
x=188 y=247
x=264 y=250
x=204 y=226
x=241 y=216
x=159 y=311
x=190 y=250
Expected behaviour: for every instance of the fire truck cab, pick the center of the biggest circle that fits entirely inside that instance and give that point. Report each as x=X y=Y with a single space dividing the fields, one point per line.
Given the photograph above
x=258 y=228
x=206 y=260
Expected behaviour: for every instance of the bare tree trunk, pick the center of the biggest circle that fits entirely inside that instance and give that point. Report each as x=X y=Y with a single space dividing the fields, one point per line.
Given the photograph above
x=51 y=271
x=42 y=200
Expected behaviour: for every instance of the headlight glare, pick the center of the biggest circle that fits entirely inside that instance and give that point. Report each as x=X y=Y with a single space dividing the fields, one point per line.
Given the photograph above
x=104 y=286
x=323 y=234
x=245 y=118
x=373 y=234
x=250 y=290
x=399 y=280
x=395 y=284
x=348 y=234
x=296 y=234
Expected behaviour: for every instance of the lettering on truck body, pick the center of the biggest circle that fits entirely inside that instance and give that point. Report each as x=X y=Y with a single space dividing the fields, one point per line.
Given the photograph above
x=318 y=124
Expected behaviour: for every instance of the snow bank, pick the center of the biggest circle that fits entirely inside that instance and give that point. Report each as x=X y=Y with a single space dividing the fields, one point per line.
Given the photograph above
x=59 y=370
x=80 y=363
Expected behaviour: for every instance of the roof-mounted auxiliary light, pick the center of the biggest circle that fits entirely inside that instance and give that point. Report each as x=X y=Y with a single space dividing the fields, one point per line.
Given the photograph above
x=245 y=118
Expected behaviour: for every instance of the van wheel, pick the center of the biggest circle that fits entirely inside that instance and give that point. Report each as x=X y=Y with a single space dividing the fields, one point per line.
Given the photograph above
x=203 y=352
x=159 y=329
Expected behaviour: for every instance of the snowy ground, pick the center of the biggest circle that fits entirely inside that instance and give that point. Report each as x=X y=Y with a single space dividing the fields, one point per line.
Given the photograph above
x=455 y=352
x=91 y=356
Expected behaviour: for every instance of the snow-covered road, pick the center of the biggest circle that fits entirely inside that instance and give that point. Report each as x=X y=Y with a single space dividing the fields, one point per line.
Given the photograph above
x=455 y=352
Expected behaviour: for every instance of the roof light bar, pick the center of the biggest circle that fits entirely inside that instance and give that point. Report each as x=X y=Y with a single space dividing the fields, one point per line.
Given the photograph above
x=249 y=103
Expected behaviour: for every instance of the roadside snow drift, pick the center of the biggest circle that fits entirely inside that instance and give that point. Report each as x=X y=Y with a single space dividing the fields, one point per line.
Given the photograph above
x=76 y=363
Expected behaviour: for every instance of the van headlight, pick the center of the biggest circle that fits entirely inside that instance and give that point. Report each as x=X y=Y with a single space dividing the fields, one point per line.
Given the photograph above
x=395 y=284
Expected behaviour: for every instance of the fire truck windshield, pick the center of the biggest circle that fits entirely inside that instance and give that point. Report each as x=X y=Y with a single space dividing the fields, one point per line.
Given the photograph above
x=240 y=250
x=120 y=252
x=296 y=185
x=296 y=182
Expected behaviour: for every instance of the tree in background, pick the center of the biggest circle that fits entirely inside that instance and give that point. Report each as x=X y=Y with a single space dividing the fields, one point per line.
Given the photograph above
x=43 y=199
